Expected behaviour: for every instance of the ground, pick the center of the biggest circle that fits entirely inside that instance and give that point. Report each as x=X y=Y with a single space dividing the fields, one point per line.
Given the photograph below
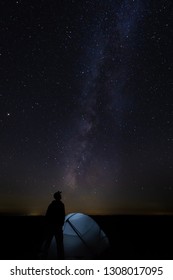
x=131 y=237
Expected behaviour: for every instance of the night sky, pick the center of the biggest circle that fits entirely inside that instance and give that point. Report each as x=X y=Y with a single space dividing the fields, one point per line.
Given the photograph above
x=86 y=105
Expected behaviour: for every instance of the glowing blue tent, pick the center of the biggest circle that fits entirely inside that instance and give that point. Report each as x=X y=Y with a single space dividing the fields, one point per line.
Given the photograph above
x=83 y=238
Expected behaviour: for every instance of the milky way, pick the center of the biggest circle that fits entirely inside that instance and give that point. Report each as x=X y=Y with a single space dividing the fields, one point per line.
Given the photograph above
x=103 y=97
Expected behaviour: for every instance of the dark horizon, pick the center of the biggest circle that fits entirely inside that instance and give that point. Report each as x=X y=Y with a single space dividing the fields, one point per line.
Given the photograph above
x=121 y=213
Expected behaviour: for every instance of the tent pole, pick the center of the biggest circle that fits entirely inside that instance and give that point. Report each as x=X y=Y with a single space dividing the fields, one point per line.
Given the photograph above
x=78 y=234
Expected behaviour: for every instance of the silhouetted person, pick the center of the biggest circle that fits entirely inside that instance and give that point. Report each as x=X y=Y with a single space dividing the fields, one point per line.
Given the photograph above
x=55 y=216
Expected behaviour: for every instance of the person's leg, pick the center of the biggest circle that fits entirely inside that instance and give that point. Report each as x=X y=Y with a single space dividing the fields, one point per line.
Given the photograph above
x=59 y=244
x=46 y=244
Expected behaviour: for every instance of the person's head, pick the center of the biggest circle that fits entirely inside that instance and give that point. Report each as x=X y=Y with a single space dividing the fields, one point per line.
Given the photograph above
x=57 y=195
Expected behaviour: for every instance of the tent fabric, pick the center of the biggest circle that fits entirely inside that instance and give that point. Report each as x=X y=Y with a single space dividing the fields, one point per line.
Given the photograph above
x=83 y=238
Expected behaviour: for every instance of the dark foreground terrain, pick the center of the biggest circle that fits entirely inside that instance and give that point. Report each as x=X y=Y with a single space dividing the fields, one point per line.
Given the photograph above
x=131 y=237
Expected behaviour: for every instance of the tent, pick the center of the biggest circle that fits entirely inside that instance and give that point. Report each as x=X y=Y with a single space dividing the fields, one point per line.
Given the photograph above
x=83 y=238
